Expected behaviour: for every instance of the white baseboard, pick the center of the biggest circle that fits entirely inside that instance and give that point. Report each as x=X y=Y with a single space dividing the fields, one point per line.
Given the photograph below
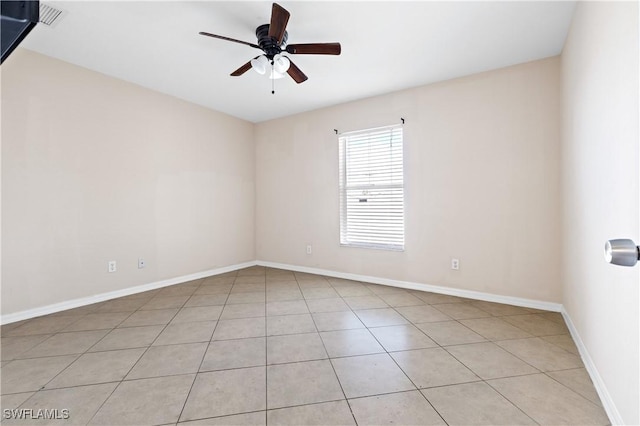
x=84 y=301
x=517 y=301
x=607 y=402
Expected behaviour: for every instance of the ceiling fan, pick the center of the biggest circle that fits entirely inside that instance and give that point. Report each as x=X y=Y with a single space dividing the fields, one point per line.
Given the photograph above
x=272 y=39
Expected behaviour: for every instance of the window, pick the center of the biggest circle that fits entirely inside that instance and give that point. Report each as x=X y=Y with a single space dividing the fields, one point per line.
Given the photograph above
x=372 y=188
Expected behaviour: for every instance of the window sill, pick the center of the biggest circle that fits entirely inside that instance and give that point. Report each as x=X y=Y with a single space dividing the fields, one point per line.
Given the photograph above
x=373 y=247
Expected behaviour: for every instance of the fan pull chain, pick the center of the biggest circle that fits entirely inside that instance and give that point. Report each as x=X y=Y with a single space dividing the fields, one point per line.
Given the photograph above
x=273 y=80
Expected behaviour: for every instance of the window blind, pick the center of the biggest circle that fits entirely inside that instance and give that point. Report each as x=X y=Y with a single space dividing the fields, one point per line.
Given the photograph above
x=372 y=188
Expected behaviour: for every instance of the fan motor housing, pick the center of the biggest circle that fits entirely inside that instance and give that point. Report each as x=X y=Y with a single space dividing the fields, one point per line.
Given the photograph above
x=269 y=44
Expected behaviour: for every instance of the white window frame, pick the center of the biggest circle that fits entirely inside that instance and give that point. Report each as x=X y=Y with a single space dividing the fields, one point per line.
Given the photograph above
x=361 y=226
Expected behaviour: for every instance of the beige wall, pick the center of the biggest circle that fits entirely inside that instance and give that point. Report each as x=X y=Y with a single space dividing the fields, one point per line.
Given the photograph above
x=600 y=192
x=95 y=169
x=482 y=184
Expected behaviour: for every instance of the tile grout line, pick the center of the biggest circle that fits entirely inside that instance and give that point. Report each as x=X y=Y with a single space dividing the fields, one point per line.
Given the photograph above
x=388 y=353
x=59 y=332
x=195 y=376
x=481 y=380
x=562 y=384
x=444 y=348
x=42 y=388
x=505 y=397
x=134 y=364
x=417 y=388
x=266 y=353
x=327 y=352
x=504 y=377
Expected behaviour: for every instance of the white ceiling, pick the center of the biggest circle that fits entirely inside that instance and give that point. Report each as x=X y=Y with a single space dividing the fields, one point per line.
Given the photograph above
x=386 y=46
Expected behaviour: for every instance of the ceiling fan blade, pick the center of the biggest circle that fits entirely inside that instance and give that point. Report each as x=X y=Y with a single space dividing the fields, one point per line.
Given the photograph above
x=296 y=73
x=246 y=67
x=229 y=39
x=314 y=49
x=279 y=19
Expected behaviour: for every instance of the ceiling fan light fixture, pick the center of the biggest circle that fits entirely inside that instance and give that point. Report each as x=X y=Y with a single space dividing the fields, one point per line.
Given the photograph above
x=272 y=40
x=281 y=63
x=259 y=64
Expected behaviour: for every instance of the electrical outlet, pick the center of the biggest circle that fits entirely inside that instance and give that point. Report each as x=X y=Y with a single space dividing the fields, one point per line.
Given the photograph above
x=309 y=249
x=455 y=264
x=141 y=263
x=111 y=266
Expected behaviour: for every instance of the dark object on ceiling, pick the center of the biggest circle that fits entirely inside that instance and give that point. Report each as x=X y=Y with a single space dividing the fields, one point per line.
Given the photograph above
x=17 y=19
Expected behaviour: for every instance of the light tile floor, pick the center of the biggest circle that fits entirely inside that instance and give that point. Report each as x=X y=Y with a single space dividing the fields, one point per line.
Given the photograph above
x=266 y=346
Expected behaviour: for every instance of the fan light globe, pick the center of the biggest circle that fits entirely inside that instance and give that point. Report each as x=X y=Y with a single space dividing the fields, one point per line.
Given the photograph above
x=275 y=75
x=259 y=64
x=281 y=63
